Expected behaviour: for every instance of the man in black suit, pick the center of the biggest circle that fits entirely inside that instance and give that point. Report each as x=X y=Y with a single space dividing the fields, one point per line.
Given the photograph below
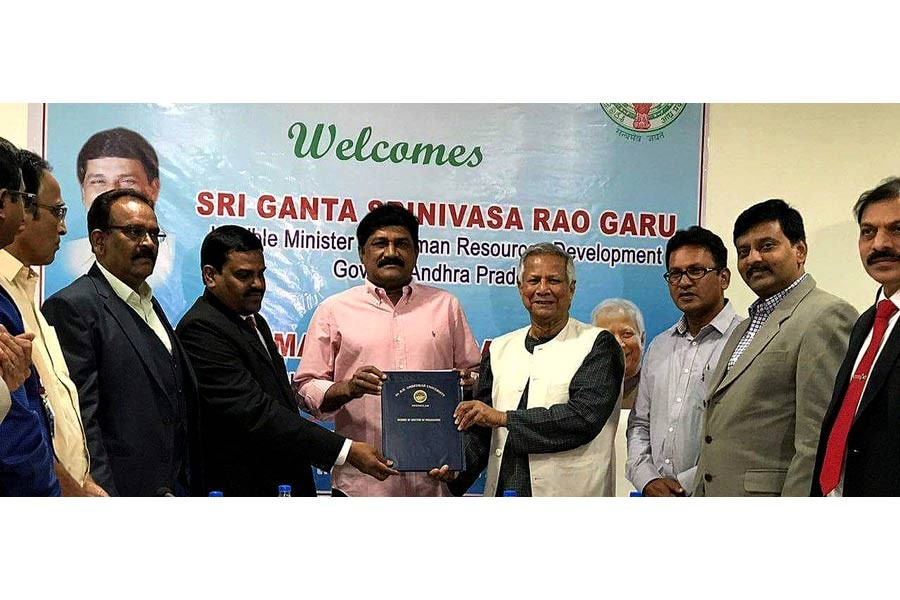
x=254 y=438
x=859 y=447
x=136 y=389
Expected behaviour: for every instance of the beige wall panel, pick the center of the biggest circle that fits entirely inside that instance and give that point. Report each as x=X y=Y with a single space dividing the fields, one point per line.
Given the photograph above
x=817 y=157
x=14 y=123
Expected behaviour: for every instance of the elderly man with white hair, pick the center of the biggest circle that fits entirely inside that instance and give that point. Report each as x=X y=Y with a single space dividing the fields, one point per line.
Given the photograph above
x=544 y=394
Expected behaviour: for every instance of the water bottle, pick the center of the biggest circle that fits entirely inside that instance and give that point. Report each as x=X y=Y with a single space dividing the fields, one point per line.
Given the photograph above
x=284 y=491
x=509 y=493
x=216 y=494
x=634 y=494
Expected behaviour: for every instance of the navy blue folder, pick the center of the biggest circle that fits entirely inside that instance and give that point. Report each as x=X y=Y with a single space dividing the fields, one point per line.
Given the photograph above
x=417 y=429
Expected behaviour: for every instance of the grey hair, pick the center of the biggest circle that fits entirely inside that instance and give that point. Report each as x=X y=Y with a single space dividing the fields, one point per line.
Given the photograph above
x=620 y=305
x=543 y=249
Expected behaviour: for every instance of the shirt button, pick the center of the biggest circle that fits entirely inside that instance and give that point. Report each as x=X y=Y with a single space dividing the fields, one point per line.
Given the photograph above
x=677 y=399
x=708 y=439
x=671 y=429
x=498 y=452
x=397 y=339
x=693 y=343
x=668 y=461
x=707 y=477
x=687 y=370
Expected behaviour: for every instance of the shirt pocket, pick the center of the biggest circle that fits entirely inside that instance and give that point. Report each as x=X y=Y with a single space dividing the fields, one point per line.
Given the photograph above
x=437 y=343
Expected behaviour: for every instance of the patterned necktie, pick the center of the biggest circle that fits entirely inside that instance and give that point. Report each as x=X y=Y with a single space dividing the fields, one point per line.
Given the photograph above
x=837 y=441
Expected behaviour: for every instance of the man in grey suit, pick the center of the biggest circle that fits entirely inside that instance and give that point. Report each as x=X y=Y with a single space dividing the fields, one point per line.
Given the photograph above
x=770 y=390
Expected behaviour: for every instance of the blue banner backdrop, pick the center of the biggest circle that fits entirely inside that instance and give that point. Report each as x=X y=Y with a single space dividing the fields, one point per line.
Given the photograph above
x=609 y=183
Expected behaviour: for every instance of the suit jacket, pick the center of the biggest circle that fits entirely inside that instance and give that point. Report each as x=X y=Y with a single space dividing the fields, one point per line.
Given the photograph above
x=873 y=444
x=762 y=421
x=141 y=436
x=254 y=438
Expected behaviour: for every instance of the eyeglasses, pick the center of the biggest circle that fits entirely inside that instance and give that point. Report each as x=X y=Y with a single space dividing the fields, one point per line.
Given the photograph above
x=28 y=199
x=138 y=232
x=694 y=274
x=57 y=210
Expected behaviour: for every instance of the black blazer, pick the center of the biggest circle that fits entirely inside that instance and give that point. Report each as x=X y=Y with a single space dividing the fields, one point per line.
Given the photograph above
x=142 y=437
x=873 y=444
x=253 y=435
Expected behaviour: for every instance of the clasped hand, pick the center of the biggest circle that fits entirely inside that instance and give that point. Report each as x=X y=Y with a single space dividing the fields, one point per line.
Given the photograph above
x=15 y=358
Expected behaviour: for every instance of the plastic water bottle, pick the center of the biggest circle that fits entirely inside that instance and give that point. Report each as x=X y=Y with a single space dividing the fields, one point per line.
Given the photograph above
x=284 y=491
x=216 y=494
x=509 y=493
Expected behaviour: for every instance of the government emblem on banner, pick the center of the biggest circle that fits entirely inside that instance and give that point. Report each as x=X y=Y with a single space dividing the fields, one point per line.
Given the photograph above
x=642 y=120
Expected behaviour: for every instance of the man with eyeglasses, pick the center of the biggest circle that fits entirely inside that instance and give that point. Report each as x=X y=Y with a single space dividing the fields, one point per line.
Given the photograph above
x=768 y=395
x=136 y=388
x=34 y=246
x=663 y=434
x=26 y=453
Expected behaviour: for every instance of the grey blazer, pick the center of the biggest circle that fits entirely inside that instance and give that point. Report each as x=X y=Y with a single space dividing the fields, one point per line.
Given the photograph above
x=763 y=418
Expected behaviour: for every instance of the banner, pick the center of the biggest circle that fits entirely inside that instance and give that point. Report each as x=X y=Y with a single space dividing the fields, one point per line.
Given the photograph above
x=608 y=183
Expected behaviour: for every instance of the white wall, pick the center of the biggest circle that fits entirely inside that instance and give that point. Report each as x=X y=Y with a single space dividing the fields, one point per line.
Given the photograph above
x=817 y=157
x=13 y=123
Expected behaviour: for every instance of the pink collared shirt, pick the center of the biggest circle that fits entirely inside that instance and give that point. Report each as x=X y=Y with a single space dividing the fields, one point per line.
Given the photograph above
x=426 y=330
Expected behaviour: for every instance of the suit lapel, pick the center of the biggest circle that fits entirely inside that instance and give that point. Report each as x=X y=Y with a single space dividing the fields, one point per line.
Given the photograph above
x=727 y=351
x=842 y=379
x=122 y=314
x=246 y=334
x=250 y=336
x=769 y=330
x=882 y=368
x=273 y=359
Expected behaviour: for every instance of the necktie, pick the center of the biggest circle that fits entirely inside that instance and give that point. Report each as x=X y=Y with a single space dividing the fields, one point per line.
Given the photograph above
x=250 y=321
x=837 y=441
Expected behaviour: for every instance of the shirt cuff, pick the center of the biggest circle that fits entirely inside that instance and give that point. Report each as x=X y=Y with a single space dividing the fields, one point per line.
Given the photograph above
x=644 y=474
x=311 y=395
x=342 y=456
x=686 y=479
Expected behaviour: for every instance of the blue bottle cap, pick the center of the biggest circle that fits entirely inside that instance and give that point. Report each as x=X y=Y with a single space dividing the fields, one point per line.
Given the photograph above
x=509 y=493
x=635 y=494
x=284 y=488
x=216 y=494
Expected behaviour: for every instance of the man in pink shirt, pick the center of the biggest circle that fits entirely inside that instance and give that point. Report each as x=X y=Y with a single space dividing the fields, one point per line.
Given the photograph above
x=387 y=324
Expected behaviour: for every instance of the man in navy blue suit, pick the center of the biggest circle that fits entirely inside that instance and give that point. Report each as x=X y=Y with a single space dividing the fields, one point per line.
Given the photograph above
x=136 y=388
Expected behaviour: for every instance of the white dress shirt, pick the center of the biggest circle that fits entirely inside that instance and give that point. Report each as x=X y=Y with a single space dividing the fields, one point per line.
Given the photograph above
x=664 y=427
x=141 y=302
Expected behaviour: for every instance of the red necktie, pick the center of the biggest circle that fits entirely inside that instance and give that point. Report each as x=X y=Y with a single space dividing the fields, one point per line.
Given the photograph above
x=837 y=441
